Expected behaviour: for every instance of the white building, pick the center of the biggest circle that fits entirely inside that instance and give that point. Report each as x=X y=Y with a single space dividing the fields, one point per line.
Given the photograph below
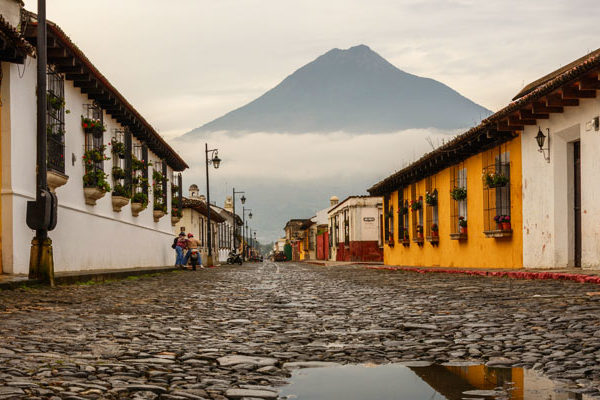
x=355 y=229
x=96 y=229
x=561 y=213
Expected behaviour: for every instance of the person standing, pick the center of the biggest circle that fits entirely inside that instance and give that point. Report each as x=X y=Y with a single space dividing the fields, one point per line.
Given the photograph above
x=180 y=247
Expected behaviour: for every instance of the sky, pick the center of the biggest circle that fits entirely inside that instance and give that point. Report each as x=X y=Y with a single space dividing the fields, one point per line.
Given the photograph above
x=183 y=63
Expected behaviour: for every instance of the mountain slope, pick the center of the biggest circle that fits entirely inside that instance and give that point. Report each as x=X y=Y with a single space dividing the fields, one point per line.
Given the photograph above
x=354 y=90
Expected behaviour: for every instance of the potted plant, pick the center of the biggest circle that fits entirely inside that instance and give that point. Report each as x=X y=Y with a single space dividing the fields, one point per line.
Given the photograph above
x=137 y=165
x=160 y=210
x=462 y=223
x=435 y=230
x=403 y=210
x=506 y=223
x=139 y=202
x=416 y=205
x=94 y=126
x=431 y=198
x=175 y=216
x=95 y=185
x=458 y=193
x=495 y=179
x=420 y=231
x=391 y=239
x=120 y=197
x=118 y=172
x=118 y=148
x=405 y=234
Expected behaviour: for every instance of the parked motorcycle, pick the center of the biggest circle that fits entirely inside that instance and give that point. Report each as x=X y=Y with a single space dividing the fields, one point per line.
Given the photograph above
x=234 y=258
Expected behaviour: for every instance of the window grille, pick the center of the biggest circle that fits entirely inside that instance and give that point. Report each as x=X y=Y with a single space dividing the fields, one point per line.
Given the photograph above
x=400 y=214
x=458 y=208
x=413 y=215
x=431 y=213
x=496 y=189
x=94 y=141
x=55 y=120
x=406 y=220
x=121 y=172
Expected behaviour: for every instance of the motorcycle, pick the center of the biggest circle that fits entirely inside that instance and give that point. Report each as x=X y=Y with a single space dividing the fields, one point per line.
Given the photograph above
x=234 y=258
x=194 y=258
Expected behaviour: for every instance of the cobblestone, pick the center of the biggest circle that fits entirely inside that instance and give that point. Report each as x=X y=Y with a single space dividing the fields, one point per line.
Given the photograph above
x=236 y=331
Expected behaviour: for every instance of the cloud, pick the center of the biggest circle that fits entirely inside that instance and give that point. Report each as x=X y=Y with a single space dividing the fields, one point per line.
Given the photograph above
x=292 y=176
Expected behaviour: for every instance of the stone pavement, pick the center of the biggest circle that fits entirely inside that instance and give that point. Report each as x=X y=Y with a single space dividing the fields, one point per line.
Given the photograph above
x=236 y=332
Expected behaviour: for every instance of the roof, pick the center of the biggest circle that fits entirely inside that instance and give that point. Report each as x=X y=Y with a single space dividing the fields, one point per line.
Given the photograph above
x=229 y=214
x=300 y=223
x=13 y=45
x=350 y=198
x=564 y=89
x=71 y=61
x=200 y=206
x=535 y=84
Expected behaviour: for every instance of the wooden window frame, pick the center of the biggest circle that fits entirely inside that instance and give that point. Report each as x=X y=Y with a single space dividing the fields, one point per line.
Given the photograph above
x=458 y=208
x=497 y=200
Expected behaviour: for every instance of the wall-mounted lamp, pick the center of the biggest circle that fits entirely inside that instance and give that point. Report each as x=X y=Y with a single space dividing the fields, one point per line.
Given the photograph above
x=541 y=138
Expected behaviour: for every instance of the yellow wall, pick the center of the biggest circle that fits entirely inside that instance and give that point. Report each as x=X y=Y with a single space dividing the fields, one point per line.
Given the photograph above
x=477 y=251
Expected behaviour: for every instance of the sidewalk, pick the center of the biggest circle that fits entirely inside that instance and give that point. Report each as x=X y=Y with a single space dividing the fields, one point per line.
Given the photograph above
x=568 y=274
x=8 y=281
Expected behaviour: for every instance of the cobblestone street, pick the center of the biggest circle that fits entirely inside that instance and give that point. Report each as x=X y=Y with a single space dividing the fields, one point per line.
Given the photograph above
x=222 y=333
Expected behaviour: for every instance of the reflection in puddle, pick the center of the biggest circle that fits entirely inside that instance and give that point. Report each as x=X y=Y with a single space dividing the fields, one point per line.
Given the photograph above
x=414 y=381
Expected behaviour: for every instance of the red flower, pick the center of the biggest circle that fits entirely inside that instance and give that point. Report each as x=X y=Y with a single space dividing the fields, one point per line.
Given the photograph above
x=85 y=125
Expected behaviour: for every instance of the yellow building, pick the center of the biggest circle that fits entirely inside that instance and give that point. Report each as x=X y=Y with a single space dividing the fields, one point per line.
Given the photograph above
x=475 y=181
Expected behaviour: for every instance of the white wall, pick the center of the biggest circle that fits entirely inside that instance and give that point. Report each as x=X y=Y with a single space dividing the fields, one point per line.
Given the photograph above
x=86 y=237
x=548 y=228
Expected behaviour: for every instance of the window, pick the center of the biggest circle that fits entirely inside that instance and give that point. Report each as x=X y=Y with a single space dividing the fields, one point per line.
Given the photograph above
x=55 y=121
x=431 y=214
x=336 y=230
x=458 y=200
x=346 y=228
x=120 y=170
x=94 y=149
x=400 y=214
x=386 y=220
x=496 y=192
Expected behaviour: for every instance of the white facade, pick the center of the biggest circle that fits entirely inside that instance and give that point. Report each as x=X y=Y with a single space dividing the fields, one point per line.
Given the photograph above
x=363 y=215
x=86 y=237
x=548 y=190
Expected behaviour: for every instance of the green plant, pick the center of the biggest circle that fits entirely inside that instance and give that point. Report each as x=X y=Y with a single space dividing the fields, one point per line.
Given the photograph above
x=416 y=205
x=160 y=207
x=118 y=148
x=137 y=165
x=95 y=155
x=420 y=229
x=120 y=190
x=495 y=179
x=140 y=197
x=118 y=172
x=431 y=198
x=54 y=101
x=458 y=193
x=462 y=222
x=434 y=228
x=176 y=212
x=96 y=178
x=403 y=210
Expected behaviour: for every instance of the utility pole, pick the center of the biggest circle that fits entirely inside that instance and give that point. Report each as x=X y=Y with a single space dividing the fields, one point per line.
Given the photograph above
x=42 y=213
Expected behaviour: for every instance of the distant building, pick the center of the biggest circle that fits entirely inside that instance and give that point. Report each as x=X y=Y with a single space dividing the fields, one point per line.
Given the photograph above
x=355 y=229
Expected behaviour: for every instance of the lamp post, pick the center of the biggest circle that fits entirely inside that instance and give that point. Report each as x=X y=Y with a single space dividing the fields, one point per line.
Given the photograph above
x=243 y=200
x=254 y=244
x=244 y=232
x=540 y=139
x=215 y=161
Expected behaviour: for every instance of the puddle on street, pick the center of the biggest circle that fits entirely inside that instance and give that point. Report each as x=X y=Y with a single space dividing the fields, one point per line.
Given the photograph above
x=416 y=381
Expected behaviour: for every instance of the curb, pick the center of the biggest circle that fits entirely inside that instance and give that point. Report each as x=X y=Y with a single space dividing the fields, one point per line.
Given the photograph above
x=580 y=278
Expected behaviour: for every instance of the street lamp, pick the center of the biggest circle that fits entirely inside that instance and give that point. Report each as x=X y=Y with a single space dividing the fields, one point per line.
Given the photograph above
x=254 y=244
x=540 y=139
x=243 y=200
x=215 y=161
x=244 y=232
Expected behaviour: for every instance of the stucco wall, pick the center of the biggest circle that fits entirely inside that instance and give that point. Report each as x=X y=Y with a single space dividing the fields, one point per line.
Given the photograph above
x=548 y=228
x=86 y=237
x=478 y=251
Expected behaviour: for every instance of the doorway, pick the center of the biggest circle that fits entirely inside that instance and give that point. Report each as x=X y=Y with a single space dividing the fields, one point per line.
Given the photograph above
x=577 y=201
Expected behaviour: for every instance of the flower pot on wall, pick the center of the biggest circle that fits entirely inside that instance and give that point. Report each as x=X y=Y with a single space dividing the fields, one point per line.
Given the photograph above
x=92 y=194
x=506 y=226
x=175 y=220
x=158 y=215
x=119 y=202
x=463 y=230
x=55 y=180
x=136 y=208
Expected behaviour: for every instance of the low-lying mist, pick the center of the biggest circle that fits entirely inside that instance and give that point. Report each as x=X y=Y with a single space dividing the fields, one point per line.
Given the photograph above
x=292 y=176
